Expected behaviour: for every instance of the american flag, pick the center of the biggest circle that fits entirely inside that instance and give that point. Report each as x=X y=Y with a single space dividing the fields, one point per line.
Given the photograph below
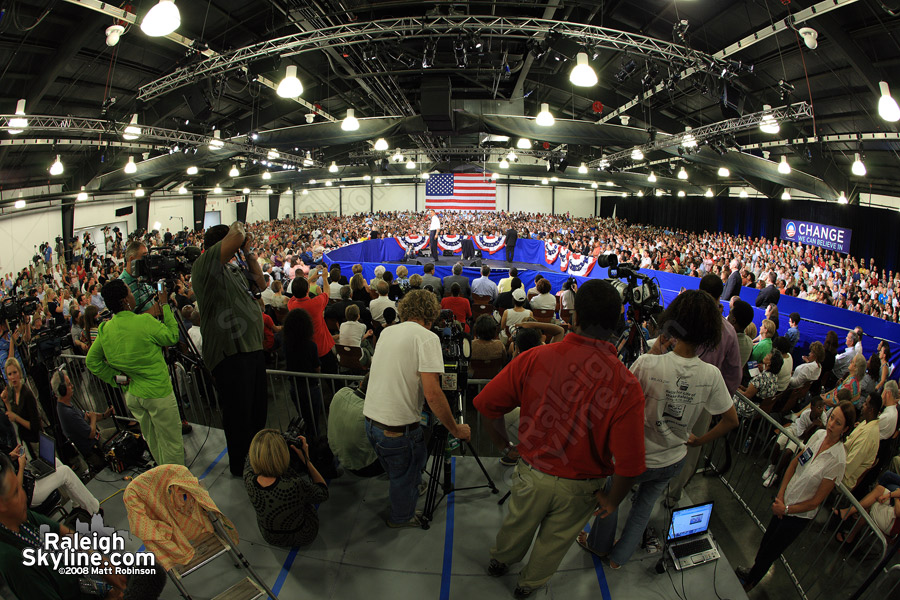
x=460 y=191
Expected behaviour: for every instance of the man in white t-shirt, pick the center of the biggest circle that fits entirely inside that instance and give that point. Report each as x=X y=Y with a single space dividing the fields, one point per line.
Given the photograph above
x=887 y=420
x=396 y=394
x=377 y=306
x=433 y=230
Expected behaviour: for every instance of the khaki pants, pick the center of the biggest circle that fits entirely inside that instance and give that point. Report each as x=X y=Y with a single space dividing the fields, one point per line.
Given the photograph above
x=160 y=425
x=555 y=508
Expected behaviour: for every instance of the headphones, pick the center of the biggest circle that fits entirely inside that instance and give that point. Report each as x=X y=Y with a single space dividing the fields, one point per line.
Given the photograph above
x=62 y=387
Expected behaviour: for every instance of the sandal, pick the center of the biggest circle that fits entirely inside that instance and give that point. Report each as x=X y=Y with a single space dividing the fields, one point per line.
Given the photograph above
x=581 y=540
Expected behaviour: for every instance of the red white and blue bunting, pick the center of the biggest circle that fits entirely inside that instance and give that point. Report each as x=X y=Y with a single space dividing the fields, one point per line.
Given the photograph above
x=551 y=251
x=490 y=243
x=450 y=242
x=412 y=242
x=564 y=259
x=580 y=265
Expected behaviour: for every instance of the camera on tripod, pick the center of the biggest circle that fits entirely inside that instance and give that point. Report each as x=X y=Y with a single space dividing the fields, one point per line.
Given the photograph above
x=638 y=291
x=165 y=263
x=13 y=310
x=50 y=342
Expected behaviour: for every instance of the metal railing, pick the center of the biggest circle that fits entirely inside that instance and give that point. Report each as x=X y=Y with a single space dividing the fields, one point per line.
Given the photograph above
x=816 y=562
x=886 y=586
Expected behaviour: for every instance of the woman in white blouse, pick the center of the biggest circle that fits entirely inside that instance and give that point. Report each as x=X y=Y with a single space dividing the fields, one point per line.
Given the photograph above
x=809 y=479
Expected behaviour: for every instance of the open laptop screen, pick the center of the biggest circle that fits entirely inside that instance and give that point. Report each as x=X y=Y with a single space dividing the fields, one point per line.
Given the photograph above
x=690 y=520
x=47 y=449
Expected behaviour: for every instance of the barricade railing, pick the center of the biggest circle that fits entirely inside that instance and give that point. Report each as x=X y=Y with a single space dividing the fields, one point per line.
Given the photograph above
x=886 y=586
x=816 y=562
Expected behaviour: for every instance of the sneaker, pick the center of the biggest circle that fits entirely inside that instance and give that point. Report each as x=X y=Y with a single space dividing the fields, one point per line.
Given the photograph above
x=770 y=481
x=768 y=472
x=497 y=568
x=186 y=427
x=416 y=521
x=522 y=592
x=510 y=457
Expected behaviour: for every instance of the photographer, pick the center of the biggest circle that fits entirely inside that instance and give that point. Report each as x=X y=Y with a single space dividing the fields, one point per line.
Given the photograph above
x=231 y=325
x=143 y=293
x=22 y=335
x=394 y=401
x=128 y=353
x=284 y=492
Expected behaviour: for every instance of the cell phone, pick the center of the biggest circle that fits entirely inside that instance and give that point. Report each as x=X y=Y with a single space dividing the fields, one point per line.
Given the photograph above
x=160 y=286
x=121 y=379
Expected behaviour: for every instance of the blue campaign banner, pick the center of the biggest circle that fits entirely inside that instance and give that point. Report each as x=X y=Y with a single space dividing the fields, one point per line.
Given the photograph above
x=816 y=234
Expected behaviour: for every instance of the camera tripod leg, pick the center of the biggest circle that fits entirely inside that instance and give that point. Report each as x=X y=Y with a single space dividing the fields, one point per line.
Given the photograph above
x=490 y=482
x=440 y=471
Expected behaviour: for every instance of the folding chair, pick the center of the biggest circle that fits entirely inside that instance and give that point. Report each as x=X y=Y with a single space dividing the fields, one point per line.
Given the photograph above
x=543 y=315
x=486 y=369
x=349 y=358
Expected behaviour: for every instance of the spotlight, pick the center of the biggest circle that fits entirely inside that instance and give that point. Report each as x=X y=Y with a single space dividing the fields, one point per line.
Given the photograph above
x=583 y=169
x=307 y=160
x=680 y=29
x=651 y=177
x=636 y=154
x=20 y=204
x=504 y=164
x=367 y=177
x=266 y=175
x=350 y=123
x=428 y=56
x=511 y=156
x=842 y=199
x=682 y=174
x=333 y=168
x=594 y=185
x=290 y=86
x=783 y=167
x=688 y=141
x=459 y=51
x=768 y=124
x=377 y=180
x=162 y=19
x=245 y=191
x=329 y=183
x=132 y=131
x=130 y=167
x=273 y=155
x=217 y=189
x=544 y=118
x=19 y=122
x=859 y=167
x=744 y=194
x=582 y=74
x=57 y=167
x=545 y=181
x=681 y=193
x=139 y=192
x=709 y=193
x=785 y=195
x=182 y=190
x=410 y=164
x=625 y=71
x=397 y=157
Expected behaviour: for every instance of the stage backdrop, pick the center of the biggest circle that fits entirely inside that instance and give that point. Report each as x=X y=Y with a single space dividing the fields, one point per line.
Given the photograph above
x=817 y=318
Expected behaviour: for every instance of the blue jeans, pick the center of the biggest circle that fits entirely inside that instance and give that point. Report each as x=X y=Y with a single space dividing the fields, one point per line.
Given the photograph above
x=889 y=480
x=603 y=531
x=403 y=458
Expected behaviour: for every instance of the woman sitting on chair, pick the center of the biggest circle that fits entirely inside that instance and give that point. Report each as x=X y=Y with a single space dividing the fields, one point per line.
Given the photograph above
x=849 y=383
x=284 y=498
x=763 y=385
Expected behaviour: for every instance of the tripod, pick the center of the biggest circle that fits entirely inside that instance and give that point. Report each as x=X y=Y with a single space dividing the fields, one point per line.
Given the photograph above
x=440 y=482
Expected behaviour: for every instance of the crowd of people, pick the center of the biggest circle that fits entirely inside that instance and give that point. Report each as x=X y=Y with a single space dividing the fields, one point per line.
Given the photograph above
x=589 y=428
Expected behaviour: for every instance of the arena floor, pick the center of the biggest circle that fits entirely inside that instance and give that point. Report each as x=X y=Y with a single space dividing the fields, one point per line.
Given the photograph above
x=357 y=556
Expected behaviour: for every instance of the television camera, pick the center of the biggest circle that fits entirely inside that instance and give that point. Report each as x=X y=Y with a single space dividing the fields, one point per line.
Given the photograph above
x=12 y=310
x=165 y=263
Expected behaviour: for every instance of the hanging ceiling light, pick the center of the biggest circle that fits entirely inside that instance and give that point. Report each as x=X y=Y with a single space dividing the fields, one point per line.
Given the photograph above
x=681 y=194
x=397 y=157
x=511 y=156
x=268 y=190
x=582 y=74
x=410 y=164
x=640 y=193
x=504 y=164
x=785 y=195
x=377 y=180
x=162 y=19
x=682 y=174
x=19 y=122
x=217 y=189
x=842 y=199
x=495 y=175
x=216 y=142
x=132 y=131
x=273 y=155
x=783 y=167
x=636 y=154
x=312 y=182
x=609 y=184
x=724 y=172
x=192 y=170
x=308 y=161
x=266 y=175
x=329 y=183
x=583 y=169
x=859 y=167
x=350 y=123
x=367 y=177
x=595 y=185
x=554 y=179
x=130 y=167
x=887 y=106
x=659 y=192
x=544 y=118
x=20 y=204
x=381 y=144
x=182 y=190
x=333 y=168
x=57 y=167
x=139 y=193
x=768 y=124
x=744 y=194
x=305 y=192
x=688 y=141
x=425 y=175
x=523 y=144
x=290 y=86
x=245 y=191
x=708 y=193
x=82 y=195
x=545 y=181
x=651 y=177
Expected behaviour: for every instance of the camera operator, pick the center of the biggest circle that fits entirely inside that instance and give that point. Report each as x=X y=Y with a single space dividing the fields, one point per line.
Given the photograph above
x=143 y=293
x=128 y=354
x=284 y=492
x=231 y=325
x=395 y=396
x=15 y=339
x=78 y=426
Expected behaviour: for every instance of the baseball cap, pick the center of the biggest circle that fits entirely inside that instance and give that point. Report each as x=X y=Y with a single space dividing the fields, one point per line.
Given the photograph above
x=519 y=295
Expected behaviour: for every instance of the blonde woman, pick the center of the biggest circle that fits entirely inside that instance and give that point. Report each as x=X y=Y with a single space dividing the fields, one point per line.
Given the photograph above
x=21 y=406
x=764 y=347
x=850 y=382
x=284 y=492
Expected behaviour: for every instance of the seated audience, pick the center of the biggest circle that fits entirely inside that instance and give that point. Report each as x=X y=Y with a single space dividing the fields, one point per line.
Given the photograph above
x=862 y=444
x=544 y=300
x=842 y=360
x=740 y=316
x=783 y=346
x=883 y=504
x=811 y=368
x=514 y=315
x=377 y=306
x=766 y=337
x=353 y=333
x=462 y=310
x=486 y=346
x=810 y=420
x=872 y=377
x=763 y=386
x=284 y=497
x=80 y=427
x=793 y=332
x=567 y=294
x=850 y=382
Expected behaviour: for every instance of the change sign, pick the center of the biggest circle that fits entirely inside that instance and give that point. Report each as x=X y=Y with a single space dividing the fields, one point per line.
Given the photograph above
x=816 y=234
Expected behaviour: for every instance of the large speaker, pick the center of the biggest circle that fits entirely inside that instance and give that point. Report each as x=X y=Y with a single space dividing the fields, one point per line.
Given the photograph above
x=435 y=104
x=732 y=102
x=475 y=263
x=121 y=212
x=448 y=253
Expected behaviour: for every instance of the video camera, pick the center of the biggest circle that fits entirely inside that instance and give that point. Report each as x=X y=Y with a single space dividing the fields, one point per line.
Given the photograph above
x=639 y=291
x=50 y=343
x=165 y=263
x=456 y=349
x=12 y=310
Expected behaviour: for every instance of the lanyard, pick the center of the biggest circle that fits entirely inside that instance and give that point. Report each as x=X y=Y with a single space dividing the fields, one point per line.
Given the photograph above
x=26 y=534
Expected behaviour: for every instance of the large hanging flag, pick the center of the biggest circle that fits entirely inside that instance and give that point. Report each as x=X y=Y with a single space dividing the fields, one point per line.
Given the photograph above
x=460 y=191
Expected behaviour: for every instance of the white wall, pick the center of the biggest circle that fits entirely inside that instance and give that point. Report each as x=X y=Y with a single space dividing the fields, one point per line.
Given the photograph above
x=397 y=197
x=21 y=233
x=580 y=203
x=172 y=212
x=356 y=199
x=93 y=213
x=227 y=210
x=530 y=199
x=318 y=200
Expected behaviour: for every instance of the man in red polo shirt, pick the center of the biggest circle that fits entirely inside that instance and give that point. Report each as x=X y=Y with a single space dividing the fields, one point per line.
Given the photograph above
x=580 y=408
x=315 y=307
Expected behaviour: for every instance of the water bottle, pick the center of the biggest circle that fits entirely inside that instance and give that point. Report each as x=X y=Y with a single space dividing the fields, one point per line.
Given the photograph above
x=747 y=444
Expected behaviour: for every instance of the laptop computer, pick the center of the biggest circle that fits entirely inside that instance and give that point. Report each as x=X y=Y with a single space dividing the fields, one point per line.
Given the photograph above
x=45 y=463
x=690 y=543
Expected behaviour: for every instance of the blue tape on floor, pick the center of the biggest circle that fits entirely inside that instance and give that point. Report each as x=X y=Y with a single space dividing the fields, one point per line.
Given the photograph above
x=284 y=571
x=213 y=464
x=601 y=574
x=448 y=537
